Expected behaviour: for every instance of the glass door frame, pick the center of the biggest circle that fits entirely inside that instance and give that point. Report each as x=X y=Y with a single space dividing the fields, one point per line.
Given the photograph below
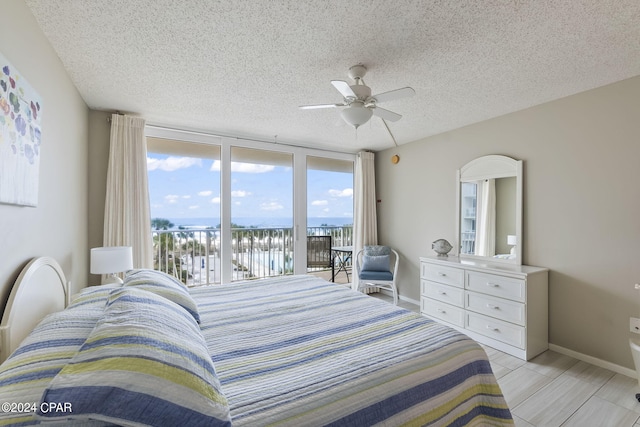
x=299 y=186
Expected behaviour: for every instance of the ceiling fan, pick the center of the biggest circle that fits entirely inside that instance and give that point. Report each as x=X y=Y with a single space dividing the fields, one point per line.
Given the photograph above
x=358 y=102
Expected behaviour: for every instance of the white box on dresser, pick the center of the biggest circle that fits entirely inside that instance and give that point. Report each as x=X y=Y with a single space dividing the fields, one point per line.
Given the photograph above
x=501 y=305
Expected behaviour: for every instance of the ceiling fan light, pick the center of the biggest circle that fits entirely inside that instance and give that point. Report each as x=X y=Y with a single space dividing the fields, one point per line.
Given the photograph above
x=356 y=115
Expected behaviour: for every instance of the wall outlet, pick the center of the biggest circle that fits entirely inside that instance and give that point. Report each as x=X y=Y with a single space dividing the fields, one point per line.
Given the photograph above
x=634 y=325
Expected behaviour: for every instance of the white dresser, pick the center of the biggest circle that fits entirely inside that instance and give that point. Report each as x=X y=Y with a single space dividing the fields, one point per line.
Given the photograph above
x=503 y=306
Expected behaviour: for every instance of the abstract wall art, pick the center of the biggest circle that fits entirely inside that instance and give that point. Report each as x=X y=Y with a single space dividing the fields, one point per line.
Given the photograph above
x=20 y=137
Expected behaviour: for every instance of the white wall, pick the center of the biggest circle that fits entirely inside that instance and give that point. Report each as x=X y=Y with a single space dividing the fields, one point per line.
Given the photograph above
x=581 y=207
x=58 y=225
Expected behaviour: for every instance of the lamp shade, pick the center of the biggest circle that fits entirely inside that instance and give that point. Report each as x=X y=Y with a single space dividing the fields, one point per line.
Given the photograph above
x=111 y=259
x=357 y=114
x=512 y=239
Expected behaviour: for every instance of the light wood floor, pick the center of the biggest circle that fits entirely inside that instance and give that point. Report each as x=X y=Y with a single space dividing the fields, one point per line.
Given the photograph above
x=557 y=390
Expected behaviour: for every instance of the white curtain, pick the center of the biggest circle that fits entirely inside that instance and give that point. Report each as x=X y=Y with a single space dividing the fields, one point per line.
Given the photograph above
x=365 y=222
x=486 y=242
x=127 y=219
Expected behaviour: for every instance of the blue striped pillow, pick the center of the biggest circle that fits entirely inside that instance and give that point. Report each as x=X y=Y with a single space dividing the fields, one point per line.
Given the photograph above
x=93 y=296
x=144 y=363
x=162 y=284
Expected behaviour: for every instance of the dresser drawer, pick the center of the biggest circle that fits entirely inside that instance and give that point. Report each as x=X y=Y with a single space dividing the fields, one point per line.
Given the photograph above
x=445 y=293
x=442 y=311
x=499 y=308
x=442 y=274
x=497 y=329
x=500 y=286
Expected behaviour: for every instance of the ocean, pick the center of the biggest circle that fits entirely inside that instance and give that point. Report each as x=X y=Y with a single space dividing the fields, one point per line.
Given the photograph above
x=259 y=222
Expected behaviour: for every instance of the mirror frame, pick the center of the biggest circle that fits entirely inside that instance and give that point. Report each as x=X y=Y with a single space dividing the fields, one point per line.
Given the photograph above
x=486 y=167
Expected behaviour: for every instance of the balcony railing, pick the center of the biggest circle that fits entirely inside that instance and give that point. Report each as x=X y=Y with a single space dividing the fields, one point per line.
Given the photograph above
x=193 y=255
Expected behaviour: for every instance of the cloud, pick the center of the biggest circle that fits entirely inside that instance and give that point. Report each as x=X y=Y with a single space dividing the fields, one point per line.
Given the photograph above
x=193 y=207
x=171 y=163
x=251 y=168
x=244 y=167
x=240 y=193
x=320 y=203
x=171 y=198
x=174 y=198
x=347 y=192
x=271 y=206
x=205 y=193
x=215 y=200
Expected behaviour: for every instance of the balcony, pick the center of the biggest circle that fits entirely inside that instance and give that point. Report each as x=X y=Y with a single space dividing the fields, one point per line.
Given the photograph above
x=193 y=255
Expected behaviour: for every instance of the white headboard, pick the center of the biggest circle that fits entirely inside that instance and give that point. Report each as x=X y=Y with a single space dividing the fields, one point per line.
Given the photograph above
x=41 y=289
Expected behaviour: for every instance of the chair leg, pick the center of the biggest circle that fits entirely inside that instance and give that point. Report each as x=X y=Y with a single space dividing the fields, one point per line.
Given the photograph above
x=395 y=296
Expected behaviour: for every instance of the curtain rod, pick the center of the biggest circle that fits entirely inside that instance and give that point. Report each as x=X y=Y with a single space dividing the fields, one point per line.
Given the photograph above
x=115 y=112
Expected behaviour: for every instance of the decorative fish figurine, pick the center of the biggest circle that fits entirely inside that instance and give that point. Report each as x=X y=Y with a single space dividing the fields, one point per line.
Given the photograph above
x=442 y=247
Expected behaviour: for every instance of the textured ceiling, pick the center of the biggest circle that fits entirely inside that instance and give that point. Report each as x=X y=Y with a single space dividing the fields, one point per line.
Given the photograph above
x=243 y=67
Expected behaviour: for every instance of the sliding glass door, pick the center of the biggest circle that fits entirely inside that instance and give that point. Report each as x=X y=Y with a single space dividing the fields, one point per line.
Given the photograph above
x=329 y=198
x=184 y=195
x=228 y=209
x=261 y=213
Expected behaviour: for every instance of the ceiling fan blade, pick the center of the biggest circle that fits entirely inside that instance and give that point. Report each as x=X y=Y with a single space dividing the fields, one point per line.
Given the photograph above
x=344 y=88
x=394 y=94
x=390 y=133
x=314 y=107
x=386 y=114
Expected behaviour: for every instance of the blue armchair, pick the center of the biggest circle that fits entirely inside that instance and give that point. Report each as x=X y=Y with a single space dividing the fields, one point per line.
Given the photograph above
x=378 y=266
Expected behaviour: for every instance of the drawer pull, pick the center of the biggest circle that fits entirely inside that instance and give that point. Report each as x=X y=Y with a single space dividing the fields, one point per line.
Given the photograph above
x=442 y=274
x=439 y=310
x=493 y=285
x=442 y=292
x=494 y=307
x=492 y=328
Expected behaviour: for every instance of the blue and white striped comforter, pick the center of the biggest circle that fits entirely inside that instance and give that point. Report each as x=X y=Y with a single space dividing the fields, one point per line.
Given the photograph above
x=299 y=351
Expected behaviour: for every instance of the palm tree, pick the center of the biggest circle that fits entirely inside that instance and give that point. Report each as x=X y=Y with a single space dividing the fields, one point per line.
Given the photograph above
x=163 y=246
x=161 y=224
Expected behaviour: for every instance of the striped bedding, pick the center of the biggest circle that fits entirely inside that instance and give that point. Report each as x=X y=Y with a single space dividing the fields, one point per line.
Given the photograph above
x=26 y=374
x=299 y=351
x=144 y=361
x=296 y=351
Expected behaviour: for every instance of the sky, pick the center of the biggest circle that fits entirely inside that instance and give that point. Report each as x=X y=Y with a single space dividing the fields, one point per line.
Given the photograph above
x=187 y=187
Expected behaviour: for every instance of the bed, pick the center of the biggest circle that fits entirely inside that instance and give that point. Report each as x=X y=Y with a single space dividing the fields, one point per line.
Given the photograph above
x=287 y=351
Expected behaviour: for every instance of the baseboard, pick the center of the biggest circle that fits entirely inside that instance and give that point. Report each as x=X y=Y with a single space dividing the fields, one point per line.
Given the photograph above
x=400 y=297
x=594 y=361
x=409 y=300
x=388 y=292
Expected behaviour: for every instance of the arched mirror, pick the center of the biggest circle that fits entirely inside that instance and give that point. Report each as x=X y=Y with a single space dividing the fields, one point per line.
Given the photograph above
x=489 y=211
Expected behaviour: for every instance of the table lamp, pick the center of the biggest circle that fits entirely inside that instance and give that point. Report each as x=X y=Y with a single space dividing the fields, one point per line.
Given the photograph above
x=111 y=260
x=512 y=241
